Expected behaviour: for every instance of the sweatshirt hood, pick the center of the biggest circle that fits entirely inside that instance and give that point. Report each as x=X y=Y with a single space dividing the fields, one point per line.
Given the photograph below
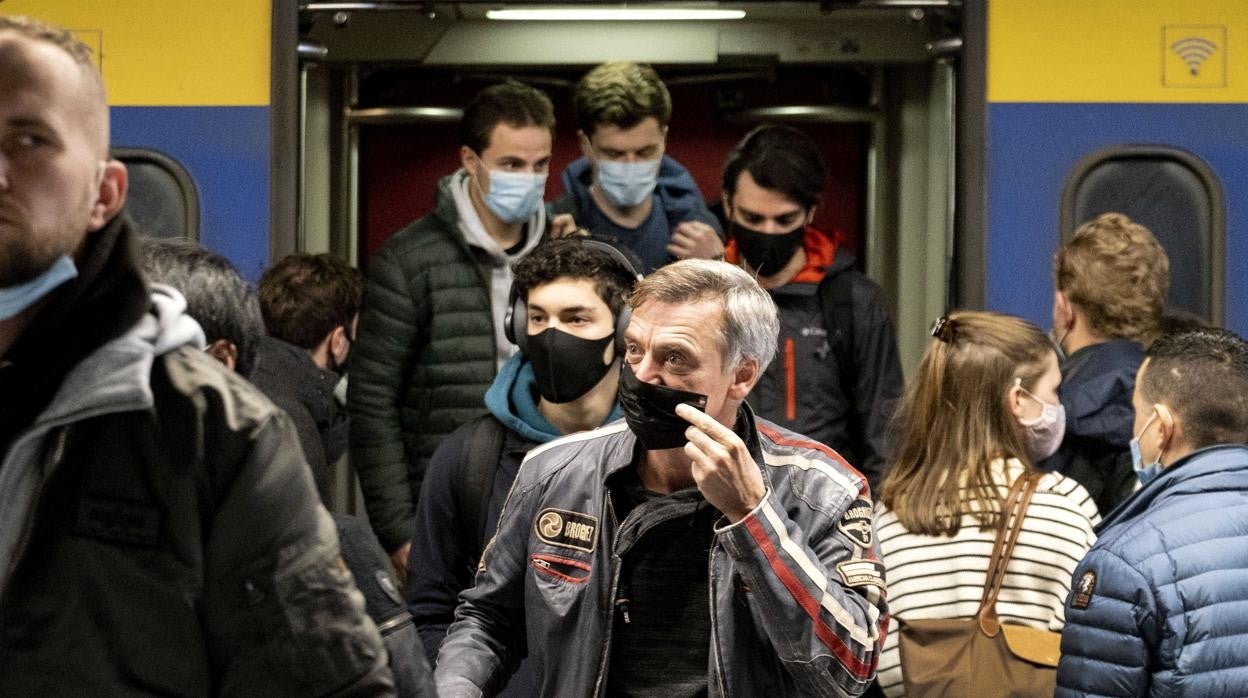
x=512 y=399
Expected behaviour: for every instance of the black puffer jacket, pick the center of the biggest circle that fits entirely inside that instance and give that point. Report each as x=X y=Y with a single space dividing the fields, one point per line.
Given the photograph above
x=423 y=359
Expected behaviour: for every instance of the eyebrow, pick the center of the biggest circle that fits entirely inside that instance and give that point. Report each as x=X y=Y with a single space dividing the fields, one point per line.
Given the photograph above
x=786 y=214
x=571 y=309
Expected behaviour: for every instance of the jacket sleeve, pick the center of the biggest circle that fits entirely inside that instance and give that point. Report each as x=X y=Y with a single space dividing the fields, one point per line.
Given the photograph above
x=486 y=642
x=438 y=566
x=1108 y=633
x=821 y=594
x=388 y=339
x=283 y=616
x=879 y=384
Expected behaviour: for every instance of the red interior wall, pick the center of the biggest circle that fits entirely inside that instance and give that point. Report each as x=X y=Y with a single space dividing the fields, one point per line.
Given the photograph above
x=401 y=165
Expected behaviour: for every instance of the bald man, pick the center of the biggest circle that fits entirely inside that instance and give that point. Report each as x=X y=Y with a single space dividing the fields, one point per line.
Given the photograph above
x=159 y=530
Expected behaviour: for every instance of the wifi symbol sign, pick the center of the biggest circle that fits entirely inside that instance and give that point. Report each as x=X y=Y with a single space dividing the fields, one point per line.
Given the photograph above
x=1194 y=51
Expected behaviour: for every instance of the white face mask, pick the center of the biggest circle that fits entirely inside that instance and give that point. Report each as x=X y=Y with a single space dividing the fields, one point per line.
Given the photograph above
x=1043 y=434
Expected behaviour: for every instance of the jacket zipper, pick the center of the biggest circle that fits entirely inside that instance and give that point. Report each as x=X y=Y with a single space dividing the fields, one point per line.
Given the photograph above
x=615 y=588
x=790 y=380
x=718 y=665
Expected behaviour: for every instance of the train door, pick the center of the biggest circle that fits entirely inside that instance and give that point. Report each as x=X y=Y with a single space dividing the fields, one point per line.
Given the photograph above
x=874 y=82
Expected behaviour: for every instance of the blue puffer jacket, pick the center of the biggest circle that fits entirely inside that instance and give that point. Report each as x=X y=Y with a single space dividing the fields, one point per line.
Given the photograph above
x=1159 y=606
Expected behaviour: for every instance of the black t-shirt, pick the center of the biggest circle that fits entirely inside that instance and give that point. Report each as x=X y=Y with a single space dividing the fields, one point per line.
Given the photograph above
x=661 y=634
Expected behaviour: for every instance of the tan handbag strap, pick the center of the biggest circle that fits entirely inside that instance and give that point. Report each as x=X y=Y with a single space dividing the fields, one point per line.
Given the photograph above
x=1013 y=512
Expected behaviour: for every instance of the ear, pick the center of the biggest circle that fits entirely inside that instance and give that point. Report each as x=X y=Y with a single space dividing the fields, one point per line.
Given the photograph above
x=747 y=374
x=225 y=351
x=810 y=216
x=1014 y=399
x=111 y=196
x=338 y=344
x=1063 y=312
x=467 y=158
x=587 y=148
x=1167 y=428
x=727 y=202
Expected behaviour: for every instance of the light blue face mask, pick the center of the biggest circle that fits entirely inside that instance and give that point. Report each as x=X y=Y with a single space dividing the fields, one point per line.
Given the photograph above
x=628 y=183
x=1146 y=473
x=515 y=196
x=15 y=299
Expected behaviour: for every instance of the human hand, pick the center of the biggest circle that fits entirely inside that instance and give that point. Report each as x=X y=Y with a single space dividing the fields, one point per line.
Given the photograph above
x=562 y=225
x=695 y=240
x=723 y=468
x=398 y=559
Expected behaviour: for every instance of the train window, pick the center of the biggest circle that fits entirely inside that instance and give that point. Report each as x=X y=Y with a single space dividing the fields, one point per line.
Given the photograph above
x=1177 y=196
x=162 y=200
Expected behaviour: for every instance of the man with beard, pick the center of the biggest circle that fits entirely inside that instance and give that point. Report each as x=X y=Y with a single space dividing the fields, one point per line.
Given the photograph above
x=839 y=372
x=690 y=550
x=159 y=531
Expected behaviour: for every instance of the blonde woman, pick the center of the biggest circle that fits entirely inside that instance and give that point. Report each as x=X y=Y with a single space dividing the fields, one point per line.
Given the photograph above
x=982 y=410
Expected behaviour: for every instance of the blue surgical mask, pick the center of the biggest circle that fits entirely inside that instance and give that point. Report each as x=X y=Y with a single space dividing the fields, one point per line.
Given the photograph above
x=627 y=183
x=1145 y=472
x=515 y=196
x=15 y=299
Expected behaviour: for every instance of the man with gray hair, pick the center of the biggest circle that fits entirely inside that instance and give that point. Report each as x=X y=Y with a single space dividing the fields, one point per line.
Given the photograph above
x=691 y=549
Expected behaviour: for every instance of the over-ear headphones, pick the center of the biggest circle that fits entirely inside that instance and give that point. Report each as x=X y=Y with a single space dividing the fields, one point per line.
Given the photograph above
x=516 y=320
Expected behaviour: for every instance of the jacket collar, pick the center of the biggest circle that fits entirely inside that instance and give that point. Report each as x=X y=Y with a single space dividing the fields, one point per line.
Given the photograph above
x=823 y=255
x=1200 y=471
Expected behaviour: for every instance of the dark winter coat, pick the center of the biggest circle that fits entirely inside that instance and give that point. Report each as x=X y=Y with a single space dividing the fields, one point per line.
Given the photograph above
x=159 y=530
x=423 y=358
x=1097 y=382
x=289 y=377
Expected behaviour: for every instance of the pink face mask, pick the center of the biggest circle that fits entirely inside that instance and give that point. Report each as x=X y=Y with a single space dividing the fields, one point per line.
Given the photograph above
x=1043 y=434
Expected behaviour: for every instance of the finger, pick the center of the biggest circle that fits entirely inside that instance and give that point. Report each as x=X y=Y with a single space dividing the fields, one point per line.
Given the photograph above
x=707 y=444
x=680 y=251
x=707 y=424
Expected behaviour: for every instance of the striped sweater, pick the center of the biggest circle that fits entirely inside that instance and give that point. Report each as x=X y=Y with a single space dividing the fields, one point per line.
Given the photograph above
x=943 y=577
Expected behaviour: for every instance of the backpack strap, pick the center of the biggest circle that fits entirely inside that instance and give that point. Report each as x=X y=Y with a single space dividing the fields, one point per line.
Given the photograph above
x=474 y=483
x=1012 y=513
x=836 y=299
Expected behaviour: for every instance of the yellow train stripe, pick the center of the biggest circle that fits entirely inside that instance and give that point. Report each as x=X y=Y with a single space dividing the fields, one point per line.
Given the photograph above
x=1118 y=51
x=170 y=52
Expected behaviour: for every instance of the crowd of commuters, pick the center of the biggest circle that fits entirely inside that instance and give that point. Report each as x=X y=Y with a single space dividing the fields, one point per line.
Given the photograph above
x=611 y=444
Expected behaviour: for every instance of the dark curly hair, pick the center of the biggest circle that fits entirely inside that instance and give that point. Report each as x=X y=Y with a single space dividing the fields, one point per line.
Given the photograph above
x=571 y=258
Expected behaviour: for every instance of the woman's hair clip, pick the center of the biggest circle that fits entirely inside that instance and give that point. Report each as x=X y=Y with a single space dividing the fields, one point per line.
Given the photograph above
x=944 y=329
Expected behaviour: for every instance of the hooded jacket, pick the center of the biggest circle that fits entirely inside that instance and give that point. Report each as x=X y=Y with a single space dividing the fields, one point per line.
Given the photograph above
x=289 y=377
x=1097 y=382
x=159 y=529
x=676 y=200
x=1156 y=605
x=797 y=600
x=441 y=565
x=802 y=389
x=424 y=355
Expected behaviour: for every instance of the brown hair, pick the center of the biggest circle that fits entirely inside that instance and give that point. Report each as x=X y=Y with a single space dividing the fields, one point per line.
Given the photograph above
x=622 y=94
x=954 y=421
x=512 y=103
x=304 y=297
x=1118 y=275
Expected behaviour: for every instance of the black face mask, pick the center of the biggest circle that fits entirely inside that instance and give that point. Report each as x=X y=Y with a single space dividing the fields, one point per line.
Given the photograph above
x=566 y=366
x=768 y=253
x=650 y=411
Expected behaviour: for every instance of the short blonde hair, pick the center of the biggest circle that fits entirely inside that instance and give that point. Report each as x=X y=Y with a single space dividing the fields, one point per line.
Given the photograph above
x=1117 y=273
x=622 y=94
